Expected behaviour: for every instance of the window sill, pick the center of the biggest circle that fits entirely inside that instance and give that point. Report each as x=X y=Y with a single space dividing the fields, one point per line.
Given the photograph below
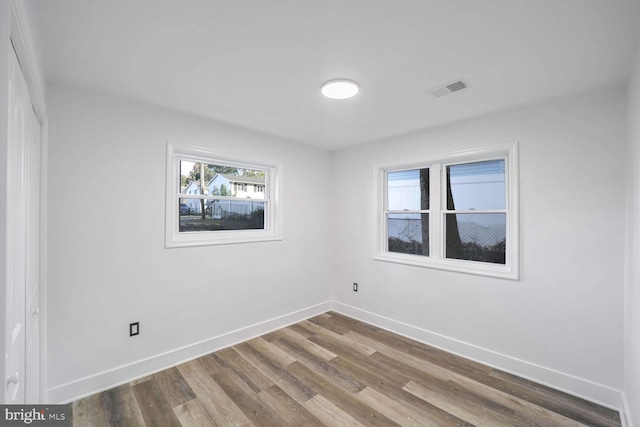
x=468 y=267
x=185 y=240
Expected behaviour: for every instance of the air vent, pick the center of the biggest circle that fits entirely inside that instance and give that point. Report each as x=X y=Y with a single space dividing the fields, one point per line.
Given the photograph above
x=459 y=85
x=448 y=88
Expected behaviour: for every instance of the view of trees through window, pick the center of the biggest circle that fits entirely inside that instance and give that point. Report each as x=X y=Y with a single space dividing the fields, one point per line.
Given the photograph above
x=190 y=171
x=474 y=217
x=475 y=221
x=218 y=197
x=408 y=217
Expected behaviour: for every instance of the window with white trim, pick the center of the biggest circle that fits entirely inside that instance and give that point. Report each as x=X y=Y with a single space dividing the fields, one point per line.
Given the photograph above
x=458 y=212
x=207 y=202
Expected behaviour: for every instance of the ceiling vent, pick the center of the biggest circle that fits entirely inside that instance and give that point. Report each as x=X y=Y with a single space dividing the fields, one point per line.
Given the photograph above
x=448 y=88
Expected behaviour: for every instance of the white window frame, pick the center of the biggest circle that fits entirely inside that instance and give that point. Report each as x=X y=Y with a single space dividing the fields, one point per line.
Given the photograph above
x=437 y=211
x=176 y=239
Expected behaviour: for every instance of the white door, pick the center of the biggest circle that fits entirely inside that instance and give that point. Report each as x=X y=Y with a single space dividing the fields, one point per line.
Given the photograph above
x=22 y=335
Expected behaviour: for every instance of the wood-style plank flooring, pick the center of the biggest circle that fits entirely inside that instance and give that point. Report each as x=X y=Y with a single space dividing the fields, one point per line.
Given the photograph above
x=332 y=370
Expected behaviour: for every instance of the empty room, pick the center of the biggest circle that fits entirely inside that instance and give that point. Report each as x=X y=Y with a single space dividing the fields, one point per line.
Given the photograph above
x=305 y=212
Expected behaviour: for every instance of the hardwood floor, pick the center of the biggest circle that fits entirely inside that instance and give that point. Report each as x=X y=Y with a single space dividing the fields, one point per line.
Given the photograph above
x=335 y=371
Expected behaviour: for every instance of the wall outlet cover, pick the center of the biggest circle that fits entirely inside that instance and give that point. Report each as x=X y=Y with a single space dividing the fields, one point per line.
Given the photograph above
x=134 y=329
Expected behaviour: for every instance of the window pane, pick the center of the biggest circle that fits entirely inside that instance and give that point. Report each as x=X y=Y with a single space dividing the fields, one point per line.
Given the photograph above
x=223 y=215
x=408 y=190
x=408 y=233
x=476 y=237
x=476 y=186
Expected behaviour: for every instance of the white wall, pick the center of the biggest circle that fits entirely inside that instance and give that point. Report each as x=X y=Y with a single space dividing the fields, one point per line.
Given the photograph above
x=562 y=322
x=632 y=294
x=107 y=262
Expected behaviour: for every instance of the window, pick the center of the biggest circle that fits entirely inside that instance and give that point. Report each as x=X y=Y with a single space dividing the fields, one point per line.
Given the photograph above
x=205 y=205
x=408 y=211
x=456 y=213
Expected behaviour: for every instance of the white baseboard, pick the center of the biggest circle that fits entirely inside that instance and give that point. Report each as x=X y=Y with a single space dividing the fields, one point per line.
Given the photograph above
x=597 y=393
x=585 y=389
x=66 y=393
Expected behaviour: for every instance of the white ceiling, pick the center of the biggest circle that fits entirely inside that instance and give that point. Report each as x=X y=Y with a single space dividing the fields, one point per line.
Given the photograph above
x=260 y=63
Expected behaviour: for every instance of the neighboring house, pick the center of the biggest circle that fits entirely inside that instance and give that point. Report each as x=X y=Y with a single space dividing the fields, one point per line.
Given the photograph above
x=193 y=187
x=238 y=187
x=241 y=187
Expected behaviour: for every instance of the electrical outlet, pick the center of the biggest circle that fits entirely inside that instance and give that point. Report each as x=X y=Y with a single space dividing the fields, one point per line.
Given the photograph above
x=134 y=329
x=355 y=287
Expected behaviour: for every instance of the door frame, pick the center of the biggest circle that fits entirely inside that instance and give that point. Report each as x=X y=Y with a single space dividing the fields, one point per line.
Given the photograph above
x=20 y=38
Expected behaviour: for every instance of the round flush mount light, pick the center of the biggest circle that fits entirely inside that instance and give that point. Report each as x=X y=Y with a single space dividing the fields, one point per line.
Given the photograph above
x=340 y=89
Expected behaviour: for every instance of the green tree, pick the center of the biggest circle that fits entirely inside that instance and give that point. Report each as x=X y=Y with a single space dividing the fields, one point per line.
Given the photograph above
x=184 y=181
x=210 y=171
x=222 y=191
x=251 y=172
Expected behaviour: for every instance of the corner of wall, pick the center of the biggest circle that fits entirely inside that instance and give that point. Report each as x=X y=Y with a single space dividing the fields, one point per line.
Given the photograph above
x=625 y=417
x=632 y=247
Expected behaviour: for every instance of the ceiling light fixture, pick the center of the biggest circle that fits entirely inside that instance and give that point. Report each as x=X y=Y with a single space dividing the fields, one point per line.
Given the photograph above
x=340 y=89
